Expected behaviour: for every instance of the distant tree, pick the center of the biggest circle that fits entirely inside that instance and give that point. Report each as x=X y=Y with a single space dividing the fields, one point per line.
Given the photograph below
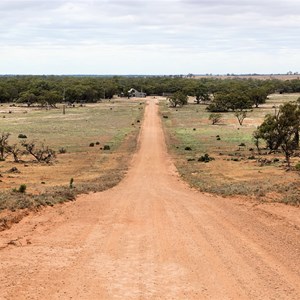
x=4 y=95
x=241 y=116
x=178 y=99
x=258 y=95
x=15 y=151
x=220 y=103
x=268 y=131
x=215 y=118
x=256 y=138
x=40 y=153
x=282 y=130
x=27 y=97
x=52 y=98
x=234 y=100
x=202 y=93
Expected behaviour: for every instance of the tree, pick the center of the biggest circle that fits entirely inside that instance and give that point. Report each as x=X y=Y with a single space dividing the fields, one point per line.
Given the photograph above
x=256 y=138
x=233 y=100
x=51 y=98
x=219 y=103
x=41 y=154
x=258 y=95
x=3 y=145
x=241 y=116
x=4 y=95
x=27 y=97
x=215 y=118
x=15 y=151
x=268 y=131
x=282 y=130
x=178 y=99
x=202 y=93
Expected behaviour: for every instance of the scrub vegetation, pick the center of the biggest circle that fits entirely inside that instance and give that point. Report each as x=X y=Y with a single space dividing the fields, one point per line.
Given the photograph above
x=242 y=161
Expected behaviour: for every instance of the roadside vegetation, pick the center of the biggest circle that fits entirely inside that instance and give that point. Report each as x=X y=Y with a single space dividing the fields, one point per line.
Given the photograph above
x=64 y=135
x=48 y=157
x=216 y=153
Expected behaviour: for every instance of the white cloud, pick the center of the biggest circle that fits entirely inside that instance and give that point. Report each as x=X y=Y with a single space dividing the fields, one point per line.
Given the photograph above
x=143 y=36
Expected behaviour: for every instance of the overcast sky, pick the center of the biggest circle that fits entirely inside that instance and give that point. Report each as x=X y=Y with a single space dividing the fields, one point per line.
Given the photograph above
x=149 y=36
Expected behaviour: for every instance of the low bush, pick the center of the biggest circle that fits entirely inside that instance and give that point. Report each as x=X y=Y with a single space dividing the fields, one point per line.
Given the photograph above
x=62 y=150
x=22 y=188
x=205 y=158
x=71 y=186
x=297 y=166
x=41 y=153
x=191 y=159
x=215 y=118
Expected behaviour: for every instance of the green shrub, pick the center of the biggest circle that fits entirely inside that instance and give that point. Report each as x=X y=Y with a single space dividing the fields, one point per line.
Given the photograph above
x=297 y=166
x=62 y=150
x=205 y=158
x=191 y=159
x=22 y=188
x=215 y=118
x=71 y=183
x=235 y=159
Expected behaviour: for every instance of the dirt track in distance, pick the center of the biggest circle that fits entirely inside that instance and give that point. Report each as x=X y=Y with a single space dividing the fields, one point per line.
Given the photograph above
x=152 y=237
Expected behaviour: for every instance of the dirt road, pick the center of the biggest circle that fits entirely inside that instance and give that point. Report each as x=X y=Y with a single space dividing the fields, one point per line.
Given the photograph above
x=152 y=237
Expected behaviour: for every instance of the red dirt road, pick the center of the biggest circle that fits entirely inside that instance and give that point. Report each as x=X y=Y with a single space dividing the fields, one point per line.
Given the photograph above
x=152 y=237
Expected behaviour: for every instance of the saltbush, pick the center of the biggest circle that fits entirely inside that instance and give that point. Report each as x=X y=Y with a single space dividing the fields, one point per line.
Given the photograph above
x=205 y=158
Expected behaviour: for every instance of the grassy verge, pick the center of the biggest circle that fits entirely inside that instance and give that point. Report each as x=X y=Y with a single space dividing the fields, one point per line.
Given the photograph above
x=92 y=168
x=236 y=167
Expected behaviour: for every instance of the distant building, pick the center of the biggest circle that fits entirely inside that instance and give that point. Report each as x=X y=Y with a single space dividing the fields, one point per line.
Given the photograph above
x=137 y=94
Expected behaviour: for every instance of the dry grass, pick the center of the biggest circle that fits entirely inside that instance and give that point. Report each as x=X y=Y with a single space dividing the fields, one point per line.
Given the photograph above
x=237 y=169
x=92 y=168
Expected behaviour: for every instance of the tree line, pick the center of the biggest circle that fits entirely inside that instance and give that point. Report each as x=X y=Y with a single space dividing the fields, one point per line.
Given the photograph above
x=280 y=131
x=225 y=94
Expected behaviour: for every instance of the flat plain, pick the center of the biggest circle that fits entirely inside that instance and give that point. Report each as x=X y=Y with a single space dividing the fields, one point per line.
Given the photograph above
x=112 y=123
x=153 y=237
x=237 y=168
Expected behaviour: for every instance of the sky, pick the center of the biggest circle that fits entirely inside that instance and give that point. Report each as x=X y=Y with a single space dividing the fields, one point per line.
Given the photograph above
x=155 y=37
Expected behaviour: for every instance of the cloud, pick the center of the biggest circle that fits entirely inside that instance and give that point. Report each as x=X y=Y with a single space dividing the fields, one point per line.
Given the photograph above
x=201 y=29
